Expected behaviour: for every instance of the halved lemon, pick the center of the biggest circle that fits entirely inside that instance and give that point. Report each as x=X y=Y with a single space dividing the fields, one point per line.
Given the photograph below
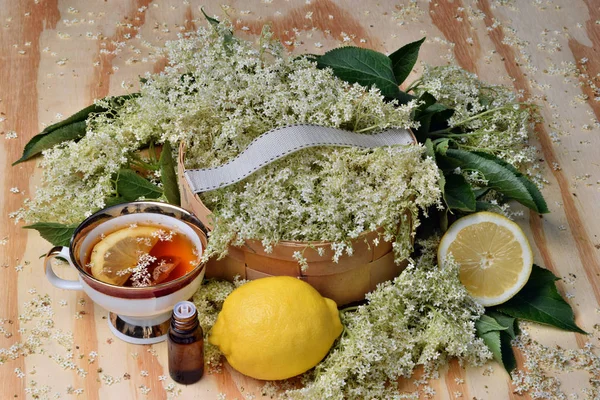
x=119 y=251
x=493 y=254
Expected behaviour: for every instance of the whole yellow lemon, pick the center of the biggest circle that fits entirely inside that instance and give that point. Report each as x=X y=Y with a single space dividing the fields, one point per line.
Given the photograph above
x=275 y=328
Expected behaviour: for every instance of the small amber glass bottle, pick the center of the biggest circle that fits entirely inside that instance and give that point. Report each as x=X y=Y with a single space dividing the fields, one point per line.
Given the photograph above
x=185 y=344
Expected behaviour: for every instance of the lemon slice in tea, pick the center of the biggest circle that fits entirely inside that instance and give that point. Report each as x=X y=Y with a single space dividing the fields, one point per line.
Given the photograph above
x=493 y=254
x=119 y=251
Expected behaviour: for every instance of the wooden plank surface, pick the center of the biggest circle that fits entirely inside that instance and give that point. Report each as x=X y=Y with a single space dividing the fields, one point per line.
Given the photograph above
x=52 y=63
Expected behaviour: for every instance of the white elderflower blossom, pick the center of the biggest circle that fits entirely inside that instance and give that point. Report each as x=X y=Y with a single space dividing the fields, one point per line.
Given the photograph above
x=218 y=94
x=10 y=135
x=351 y=191
x=421 y=318
x=209 y=301
x=140 y=276
x=489 y=115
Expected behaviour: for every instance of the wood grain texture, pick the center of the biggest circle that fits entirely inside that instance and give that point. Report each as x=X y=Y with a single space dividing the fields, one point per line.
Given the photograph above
x=18 y=77
x=59 y=55
x=590 y=68
x=324 y=15
x=587 y=253
x=450 y=20
x=100 y=81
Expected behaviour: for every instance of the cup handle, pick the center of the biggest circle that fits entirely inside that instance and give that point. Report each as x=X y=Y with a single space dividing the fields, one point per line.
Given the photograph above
x=60 y=252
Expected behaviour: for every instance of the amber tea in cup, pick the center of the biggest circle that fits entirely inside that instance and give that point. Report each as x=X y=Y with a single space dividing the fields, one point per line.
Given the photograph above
x=147 y=259
x=140 y=255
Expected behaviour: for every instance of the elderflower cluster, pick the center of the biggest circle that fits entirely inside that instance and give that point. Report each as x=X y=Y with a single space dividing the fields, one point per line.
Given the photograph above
x=543 y=362
x=421 y=318
x=141 y=277
x=208 y=301
x=217 y=95
x=489 y=115
x=331 y=194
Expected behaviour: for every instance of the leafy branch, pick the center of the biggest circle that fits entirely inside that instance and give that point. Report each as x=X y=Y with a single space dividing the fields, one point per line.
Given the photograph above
x=371 y=68
x=538 y=301
x=72 y=128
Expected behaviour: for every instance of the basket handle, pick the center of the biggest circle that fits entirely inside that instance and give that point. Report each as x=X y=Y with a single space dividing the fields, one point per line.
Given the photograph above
x=280 y=142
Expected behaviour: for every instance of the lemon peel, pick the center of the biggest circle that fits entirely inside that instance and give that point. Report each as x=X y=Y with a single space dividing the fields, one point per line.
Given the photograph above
x=276 y=328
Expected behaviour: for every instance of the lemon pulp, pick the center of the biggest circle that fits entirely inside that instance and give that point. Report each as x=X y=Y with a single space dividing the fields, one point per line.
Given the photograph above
x=493 y=253
x=118 y=252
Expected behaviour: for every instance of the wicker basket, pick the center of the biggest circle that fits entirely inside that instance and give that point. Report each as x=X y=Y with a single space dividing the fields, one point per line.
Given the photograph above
x=345 y=282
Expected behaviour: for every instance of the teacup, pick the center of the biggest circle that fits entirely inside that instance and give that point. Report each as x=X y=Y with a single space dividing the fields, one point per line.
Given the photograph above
x=136 y=314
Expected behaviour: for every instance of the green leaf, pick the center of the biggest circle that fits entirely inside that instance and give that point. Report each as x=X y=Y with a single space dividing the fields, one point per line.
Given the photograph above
x=486 y=206
x=118 y=101
x=213 y=21
x=442 y=214
x=442 y=146
x=55 y=233
x=492 y=341
x=429 y=149
x=458 y=193
x=480 y=192
x=444 y=220
x=404 y=59
x=72 y=128
x=403 y=97
x=431 y=116
x=425 y=110
x=508 y=356
x=439 y=117
x=497 y=335
x=131 y=186
x=487 y=324
x=363 y=66
x=531 y=188
x=423 y=115
x=228 y=38
x=498 y=176
x=425 y=100
x=43 y=141
x=113 y=201
x=539 y=301
x=442 y=181
x=79 y=116
x=504 y=320
x=168 y=177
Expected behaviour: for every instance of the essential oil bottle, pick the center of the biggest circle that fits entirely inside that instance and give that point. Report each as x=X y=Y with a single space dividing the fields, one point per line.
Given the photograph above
x=185 y=344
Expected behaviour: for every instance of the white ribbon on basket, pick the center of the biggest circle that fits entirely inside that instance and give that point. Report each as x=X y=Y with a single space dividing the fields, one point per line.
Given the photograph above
x=280 y=142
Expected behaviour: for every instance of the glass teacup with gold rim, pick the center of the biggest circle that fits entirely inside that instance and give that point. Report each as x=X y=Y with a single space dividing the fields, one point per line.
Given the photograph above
x=136 y=314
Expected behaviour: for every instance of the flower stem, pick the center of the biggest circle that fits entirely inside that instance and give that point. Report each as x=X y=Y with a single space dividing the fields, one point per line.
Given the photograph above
x=457 y=135
x=368 y=128
x=475 y=148
x=473 y=117
x=437 y=313
x=413 y=85
x=141 y=163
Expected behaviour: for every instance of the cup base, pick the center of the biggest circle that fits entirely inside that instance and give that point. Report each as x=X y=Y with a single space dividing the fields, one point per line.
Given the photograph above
x=137 y=334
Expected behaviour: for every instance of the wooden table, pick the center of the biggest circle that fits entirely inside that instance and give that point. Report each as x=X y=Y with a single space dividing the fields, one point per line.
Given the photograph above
x=52 y=62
